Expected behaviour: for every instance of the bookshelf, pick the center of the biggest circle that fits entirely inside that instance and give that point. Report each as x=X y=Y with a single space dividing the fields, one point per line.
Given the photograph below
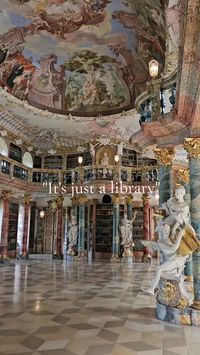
x=53 y=162
x=104 y=229
x=15 y=152
x=129 y=157
x=12 y=229
x=138 y=228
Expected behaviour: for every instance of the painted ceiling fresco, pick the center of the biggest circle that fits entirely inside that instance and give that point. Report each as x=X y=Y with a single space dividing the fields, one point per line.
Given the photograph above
x=80 y=56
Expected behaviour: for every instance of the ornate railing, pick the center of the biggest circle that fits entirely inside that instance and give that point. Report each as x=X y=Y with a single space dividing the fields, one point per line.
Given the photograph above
x=158 y=100
x=132 y=175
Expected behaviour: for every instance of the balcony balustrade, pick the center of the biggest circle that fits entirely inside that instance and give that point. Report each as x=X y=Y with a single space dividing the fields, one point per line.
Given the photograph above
x=136 y=175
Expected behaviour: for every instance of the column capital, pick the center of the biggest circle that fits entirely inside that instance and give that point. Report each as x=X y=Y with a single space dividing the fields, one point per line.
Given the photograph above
x=81 y=199
x=183 y=176
x=145 y=199
x=164 y=156
x=26 y=199
x=192 y=146
x=59 y=201
x=6 y=195
x=129 y=199
x=115 y=199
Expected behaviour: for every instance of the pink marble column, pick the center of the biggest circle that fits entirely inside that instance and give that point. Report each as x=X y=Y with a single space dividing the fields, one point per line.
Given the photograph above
x=146 y=226
x=59 y=228
x=5 y=224
x=26 y=200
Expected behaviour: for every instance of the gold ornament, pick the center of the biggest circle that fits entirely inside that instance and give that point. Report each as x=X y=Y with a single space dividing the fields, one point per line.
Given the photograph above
x=145 y=199
x=116 y=199
x=129 y=199
x=81 y=199
x=59 y=201
x=26 y=199
x=164 y=156
x=183 y=176
x=6 y=195
x=192 y=146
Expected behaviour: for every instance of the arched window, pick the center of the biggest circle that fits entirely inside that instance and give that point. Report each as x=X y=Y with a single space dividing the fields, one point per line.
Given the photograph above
x=3 y=147
x=106 y=199
x=27 y=160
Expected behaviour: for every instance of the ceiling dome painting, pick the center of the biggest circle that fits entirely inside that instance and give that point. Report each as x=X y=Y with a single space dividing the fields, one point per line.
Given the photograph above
x=80 y=56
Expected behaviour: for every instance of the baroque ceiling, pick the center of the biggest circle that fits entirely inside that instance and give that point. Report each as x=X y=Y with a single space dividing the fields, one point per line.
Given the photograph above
x=73 y=68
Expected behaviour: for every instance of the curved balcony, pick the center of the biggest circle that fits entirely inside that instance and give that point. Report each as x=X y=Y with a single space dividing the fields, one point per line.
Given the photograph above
x=137 y=175
x=158 y=100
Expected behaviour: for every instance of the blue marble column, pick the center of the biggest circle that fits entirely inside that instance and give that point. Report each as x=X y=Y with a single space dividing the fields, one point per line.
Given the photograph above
x=164 y=157
x=129 y=200
x=165 y=186
x=115 y=242
x=192 y=145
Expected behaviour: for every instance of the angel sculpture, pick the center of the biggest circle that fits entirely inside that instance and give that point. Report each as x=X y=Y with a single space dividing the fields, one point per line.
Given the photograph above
x=126 y=229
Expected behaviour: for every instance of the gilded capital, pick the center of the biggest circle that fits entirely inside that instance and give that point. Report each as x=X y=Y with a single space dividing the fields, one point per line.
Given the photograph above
x=6 y=195
x=183 y=176
x=164 y=156
x=59 y=201
x=81 y=199
x=192 y=146
x=27 y=199
x=129 y=199
x=145 y=199
x=116 y=199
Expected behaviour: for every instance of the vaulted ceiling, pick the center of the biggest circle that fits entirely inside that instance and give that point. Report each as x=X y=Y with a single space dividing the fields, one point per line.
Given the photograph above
x=71 y=70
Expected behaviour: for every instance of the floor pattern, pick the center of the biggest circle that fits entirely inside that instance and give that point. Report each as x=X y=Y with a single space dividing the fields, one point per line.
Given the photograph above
x=62 y=308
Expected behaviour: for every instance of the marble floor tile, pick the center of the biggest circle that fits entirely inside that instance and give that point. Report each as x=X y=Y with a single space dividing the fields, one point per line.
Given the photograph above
x=62 y=308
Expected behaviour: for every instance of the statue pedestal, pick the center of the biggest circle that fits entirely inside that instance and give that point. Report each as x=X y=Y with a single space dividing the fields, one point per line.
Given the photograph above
x=186 y=316
x=175 y=292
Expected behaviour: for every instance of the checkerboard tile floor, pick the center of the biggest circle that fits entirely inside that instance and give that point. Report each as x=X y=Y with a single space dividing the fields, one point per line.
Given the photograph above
x=65 y=308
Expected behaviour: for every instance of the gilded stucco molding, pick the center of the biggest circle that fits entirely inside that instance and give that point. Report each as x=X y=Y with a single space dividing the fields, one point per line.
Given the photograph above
x=164 y=156
x=192 y=146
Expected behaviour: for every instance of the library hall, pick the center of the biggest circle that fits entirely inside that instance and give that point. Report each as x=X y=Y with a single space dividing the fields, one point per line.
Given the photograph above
x=99 y=177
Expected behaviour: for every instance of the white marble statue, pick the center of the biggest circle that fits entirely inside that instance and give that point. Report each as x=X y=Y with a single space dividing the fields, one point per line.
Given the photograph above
x=73 y=234
x=173 y=230
x=177 y=210
x=173 y=262
x=126 y=229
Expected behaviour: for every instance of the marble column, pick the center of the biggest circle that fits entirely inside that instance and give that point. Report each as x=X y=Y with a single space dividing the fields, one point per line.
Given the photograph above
x=82 y=199
x=115 y=241
x=164 y=157
x=59 y=228
x=26 y=228
x=146 y=226
x=183 y=178
x=94 y=217
x=192 y=145
x=5 y=195
x=129 y=201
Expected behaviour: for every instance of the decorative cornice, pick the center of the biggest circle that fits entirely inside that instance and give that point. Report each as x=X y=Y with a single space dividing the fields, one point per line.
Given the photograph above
x=164 y=156
x=192 y=146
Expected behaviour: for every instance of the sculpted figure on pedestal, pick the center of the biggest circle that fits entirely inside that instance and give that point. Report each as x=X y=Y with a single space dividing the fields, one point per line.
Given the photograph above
x=177 y=240
x=73 y=233
x=126 y=228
